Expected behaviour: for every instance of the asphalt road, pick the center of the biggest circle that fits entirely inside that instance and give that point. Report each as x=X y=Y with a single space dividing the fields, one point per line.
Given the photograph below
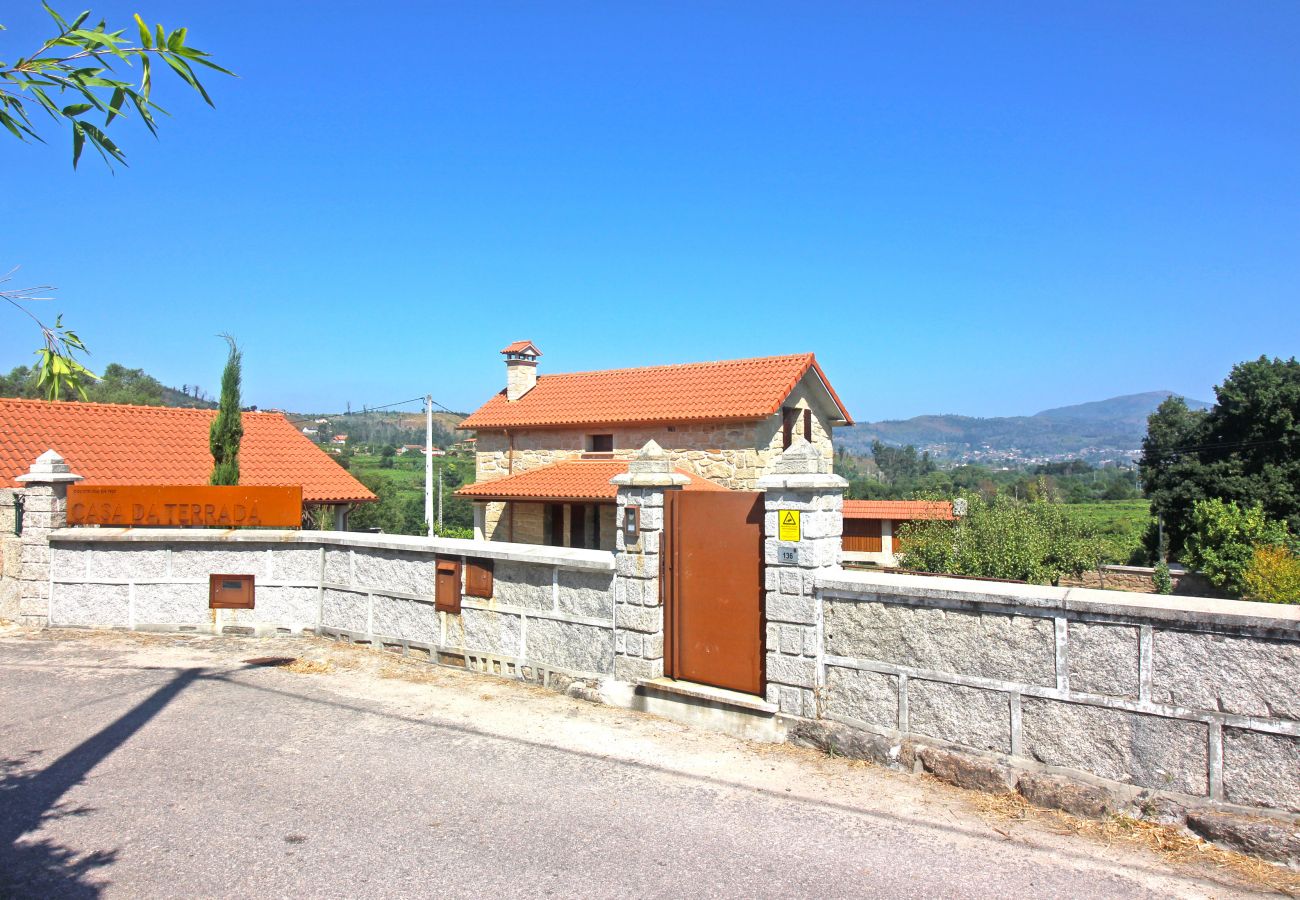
x=159 y=767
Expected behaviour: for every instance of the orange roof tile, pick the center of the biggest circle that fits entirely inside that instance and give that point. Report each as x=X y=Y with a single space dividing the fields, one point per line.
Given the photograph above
x=523 y=347
x=578 y=479
x=735 y=389
x=117 y=444
x=898 y=509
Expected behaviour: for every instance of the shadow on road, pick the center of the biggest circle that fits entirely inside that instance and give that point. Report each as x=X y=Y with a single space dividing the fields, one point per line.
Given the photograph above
x=29 y=798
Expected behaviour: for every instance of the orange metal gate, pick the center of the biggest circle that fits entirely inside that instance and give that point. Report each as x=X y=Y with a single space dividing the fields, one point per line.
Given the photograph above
x=713 y=588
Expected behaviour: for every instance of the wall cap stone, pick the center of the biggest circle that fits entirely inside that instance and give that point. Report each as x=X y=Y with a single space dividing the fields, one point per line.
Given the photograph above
x=1166 y=609
x=49 y=468
x=564 y=557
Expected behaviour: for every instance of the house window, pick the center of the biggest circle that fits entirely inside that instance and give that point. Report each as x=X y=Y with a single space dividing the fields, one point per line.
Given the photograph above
x=555 y=524
x=807 y=425
x=600 y=443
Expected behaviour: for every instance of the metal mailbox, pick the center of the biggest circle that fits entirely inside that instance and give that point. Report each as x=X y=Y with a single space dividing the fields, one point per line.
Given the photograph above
x=447 y=588
x=230 y=591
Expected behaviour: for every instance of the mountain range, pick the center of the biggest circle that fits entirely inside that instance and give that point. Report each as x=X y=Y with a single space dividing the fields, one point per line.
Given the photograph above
x=1098 y=431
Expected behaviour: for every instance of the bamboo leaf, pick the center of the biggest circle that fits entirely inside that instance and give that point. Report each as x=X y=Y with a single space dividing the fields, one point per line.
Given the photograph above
x=78 y=142
x=145 y=40
x=115 y=105
x=76 y=109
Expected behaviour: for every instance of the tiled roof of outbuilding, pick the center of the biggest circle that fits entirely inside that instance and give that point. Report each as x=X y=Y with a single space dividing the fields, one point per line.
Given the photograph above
x=737 y=389
x=578 y=479
x=898 y=509
x=138 y=445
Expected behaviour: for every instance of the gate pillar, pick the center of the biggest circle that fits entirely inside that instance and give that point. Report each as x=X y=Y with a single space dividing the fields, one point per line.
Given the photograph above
x=45 y=509
x=803 y=524
x=638 y=611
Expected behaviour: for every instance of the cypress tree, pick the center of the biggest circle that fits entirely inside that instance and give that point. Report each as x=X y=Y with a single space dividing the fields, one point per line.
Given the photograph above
x=227 y=427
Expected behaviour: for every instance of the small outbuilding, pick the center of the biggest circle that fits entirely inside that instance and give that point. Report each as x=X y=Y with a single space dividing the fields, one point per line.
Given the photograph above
x=871 y=526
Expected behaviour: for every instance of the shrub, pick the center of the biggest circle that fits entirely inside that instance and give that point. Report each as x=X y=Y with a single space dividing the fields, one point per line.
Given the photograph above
x=1161 y=580
x=1273 y=576
x=1222 y=537
x=1032 y=541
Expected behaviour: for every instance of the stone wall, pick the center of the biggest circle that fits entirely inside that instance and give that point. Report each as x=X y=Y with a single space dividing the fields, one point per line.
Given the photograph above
x=10 y=555
x=733 y=455
x=552 y=609
x=1189 y=698
x=1138 y=580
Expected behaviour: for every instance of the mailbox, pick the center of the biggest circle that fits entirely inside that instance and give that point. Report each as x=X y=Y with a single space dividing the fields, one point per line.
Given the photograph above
x=230 y=592
x=478 y=578
x=447 y=587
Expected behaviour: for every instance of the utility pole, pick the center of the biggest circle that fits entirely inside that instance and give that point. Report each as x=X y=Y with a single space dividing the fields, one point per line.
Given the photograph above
x=440 y=496
x=428 y=463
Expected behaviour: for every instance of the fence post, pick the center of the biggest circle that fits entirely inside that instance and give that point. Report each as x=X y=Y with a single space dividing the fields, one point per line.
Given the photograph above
x=45 y=509
x=638 y=612
x=803 y=524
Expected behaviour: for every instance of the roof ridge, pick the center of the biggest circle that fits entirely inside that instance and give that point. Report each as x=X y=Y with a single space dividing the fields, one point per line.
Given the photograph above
x=94 y=404
x=685 y=365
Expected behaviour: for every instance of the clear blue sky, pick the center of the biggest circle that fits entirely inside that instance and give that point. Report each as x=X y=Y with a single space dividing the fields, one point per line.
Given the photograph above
x=979 y=208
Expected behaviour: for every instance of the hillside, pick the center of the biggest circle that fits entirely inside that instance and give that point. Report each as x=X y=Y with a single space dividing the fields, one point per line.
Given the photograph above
x=1099 y=431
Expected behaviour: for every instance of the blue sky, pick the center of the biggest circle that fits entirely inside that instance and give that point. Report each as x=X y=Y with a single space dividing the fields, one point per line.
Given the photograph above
x=979 y=208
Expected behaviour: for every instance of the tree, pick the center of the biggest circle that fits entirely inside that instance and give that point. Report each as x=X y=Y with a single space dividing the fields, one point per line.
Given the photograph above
x=228 y=427
x=1222 y=538
x=1245 y=450
x=1002 y=537
x=1273 y=576
x=77 y=64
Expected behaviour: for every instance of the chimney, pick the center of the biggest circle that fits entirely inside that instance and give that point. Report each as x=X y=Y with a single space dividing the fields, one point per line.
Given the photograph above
x=521 y=368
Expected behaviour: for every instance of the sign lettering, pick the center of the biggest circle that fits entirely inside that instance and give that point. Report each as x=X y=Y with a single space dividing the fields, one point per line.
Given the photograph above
x=185 y=506
x=788 y=525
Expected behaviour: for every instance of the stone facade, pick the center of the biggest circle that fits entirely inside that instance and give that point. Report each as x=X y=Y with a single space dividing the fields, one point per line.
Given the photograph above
x=733 y=455
x=11 y=550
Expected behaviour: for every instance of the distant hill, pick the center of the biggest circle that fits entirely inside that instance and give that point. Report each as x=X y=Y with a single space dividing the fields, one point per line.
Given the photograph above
x=117 y=384
x=1097 y=431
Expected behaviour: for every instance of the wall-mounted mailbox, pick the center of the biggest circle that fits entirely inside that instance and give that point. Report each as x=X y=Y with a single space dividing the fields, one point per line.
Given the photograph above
x=447 y=588
x=631 y=524
x=478 y=577
x=230 y=591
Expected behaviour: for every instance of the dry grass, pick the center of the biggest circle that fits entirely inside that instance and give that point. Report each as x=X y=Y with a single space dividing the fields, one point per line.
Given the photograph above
x=310 y=666
x=1169 y=842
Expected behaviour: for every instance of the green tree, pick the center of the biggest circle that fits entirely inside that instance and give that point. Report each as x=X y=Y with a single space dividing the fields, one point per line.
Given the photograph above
x=1222 y=538
x=1245 y=450
x=74 y=74
x=228 y=427
x=1002 y=537
x=1273 y=576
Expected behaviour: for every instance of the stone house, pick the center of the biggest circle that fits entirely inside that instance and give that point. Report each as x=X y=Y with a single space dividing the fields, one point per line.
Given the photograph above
x=118 y=444
x=547 y=445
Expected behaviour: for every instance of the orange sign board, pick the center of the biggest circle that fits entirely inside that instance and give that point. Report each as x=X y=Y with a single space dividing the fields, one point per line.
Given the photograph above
x=185 y=506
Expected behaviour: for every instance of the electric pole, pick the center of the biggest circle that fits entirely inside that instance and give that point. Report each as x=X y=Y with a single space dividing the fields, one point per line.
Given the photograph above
x=428 y=464
x=440 y=496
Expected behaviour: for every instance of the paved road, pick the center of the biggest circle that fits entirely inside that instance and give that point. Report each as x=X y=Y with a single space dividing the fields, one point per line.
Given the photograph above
x=140 y=766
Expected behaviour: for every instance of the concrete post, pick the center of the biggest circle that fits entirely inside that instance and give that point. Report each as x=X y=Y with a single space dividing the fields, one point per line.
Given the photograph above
x=45 y=509
x=798 y=481
x=638 y=613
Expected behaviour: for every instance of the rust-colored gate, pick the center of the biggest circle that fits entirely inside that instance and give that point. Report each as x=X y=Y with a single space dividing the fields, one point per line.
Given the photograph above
x=713 y=588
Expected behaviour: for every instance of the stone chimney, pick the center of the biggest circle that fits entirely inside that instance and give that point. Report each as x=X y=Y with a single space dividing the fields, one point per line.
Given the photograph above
x=521 y=368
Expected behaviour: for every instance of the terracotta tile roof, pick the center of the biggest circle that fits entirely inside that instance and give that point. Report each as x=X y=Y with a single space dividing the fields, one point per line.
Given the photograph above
x=577 y=479
x=523 y=347
x=118 y=444
x=737 y=389
x=898 y=509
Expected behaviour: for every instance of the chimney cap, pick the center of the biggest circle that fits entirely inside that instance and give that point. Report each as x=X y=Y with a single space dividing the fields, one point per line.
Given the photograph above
x=522 y=348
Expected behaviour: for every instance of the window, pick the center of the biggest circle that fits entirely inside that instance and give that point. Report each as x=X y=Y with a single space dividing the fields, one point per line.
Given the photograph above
x=578 y=525
x=788 y=417
x=600 y=443
x=555 y=524
x=807 y=425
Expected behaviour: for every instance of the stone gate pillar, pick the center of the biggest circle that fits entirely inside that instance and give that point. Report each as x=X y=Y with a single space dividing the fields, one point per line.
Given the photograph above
x=45 y=509
x=638 y=613
x=799 y=483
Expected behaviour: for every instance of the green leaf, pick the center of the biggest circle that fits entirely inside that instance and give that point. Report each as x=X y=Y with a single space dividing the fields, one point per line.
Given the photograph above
x=115 y=105
x=78 y=142
x=145 y=40
x=76 y=109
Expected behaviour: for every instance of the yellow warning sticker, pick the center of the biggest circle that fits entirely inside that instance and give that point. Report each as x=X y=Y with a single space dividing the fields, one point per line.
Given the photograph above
x=788 y=525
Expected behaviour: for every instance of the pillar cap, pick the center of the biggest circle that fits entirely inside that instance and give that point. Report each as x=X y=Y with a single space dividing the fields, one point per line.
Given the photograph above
x=49 y=468
x=651 y=467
